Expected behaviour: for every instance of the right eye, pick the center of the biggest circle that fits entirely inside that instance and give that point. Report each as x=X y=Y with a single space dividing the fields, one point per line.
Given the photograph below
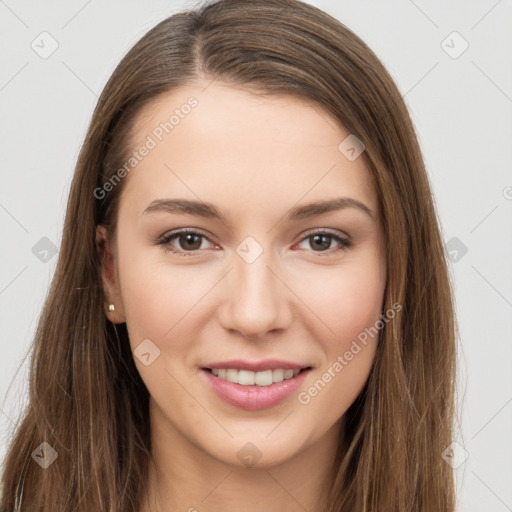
x=189 y=240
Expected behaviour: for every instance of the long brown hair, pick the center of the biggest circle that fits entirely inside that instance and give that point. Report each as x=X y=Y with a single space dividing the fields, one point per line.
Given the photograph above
x=86 y=398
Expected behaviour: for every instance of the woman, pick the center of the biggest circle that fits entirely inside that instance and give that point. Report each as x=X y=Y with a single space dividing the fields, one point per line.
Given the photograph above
x=300 y=353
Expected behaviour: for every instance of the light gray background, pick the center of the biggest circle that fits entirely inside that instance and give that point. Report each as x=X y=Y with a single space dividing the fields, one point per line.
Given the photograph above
x=462 y=111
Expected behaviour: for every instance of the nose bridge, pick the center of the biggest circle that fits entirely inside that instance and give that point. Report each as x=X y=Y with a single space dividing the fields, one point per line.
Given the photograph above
x=256 y=299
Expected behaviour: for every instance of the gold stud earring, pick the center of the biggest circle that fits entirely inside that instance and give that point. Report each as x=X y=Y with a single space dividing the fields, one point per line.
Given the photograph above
x=111 y=307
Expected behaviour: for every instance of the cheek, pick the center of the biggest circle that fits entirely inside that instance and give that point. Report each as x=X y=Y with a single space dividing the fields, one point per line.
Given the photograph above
x=347 y=300
x=350 y=305
x=336 y=386
x=159 y=300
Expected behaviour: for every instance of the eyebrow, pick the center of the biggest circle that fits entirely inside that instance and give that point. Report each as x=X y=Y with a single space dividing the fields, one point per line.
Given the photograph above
x=208 y=210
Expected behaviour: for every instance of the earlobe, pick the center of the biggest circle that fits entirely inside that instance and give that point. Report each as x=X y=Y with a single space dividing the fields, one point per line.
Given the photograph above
x=113 y=305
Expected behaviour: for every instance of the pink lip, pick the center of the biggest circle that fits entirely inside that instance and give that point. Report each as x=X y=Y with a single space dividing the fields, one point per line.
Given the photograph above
x=253 y=397
x=257 y=366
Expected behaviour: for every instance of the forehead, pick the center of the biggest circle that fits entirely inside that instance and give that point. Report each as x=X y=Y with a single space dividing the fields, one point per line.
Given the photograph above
x=228 y=145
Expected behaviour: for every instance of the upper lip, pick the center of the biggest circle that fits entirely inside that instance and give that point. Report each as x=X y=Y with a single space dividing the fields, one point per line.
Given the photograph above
x=257 y=366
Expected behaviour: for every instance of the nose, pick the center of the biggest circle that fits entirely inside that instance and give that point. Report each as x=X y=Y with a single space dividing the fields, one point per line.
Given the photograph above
x=256 y=301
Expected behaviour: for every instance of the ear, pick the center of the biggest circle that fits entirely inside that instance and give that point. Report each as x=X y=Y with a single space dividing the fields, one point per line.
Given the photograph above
x=110 y=280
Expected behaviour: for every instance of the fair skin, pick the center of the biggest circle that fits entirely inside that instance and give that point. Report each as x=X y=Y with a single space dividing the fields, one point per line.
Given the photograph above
x=304 y=299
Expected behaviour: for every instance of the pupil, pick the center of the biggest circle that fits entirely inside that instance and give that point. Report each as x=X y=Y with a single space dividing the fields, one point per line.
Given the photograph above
x=188 y=238
x=324 y=245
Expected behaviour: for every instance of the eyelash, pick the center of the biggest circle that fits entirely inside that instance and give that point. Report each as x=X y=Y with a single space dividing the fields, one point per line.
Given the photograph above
x=164 y=242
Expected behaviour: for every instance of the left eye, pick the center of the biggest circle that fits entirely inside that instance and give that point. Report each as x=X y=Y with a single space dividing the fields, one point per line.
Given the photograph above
x=323 y=241
x=191 y=241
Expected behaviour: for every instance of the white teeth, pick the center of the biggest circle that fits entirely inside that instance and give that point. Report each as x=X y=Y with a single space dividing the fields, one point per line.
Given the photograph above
x=277 y=375
x=288 y=374
x=263 y=378
x=248 y=378
x=232 y=376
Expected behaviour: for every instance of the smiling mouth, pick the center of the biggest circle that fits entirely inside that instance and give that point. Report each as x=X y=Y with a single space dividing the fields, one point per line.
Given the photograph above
x=250 y=378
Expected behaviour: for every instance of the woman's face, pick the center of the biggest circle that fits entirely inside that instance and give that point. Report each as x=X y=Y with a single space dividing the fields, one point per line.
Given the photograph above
x=261 y=285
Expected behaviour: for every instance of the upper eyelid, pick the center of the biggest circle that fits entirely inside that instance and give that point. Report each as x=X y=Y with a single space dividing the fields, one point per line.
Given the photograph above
x=193 y=231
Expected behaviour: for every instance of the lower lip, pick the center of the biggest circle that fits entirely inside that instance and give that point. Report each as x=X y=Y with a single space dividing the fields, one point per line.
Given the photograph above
x=254 y=397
